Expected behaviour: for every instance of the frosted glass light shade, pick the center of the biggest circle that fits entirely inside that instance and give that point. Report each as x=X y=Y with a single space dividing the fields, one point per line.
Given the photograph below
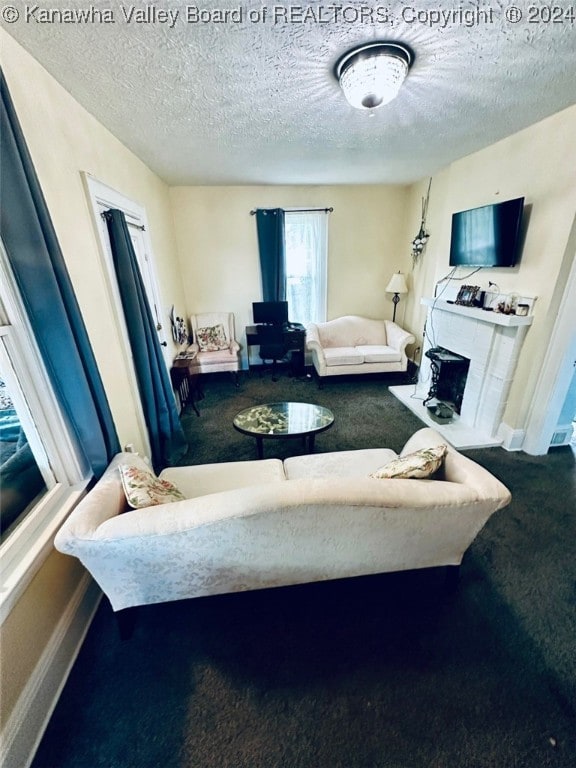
x=372 y=75
x=397 y=284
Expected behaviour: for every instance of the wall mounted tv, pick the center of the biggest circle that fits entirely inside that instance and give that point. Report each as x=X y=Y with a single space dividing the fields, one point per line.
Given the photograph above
x=488 y=236
x=270 y=312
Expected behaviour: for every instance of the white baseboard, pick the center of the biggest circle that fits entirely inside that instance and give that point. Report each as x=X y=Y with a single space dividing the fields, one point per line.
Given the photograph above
x=512 y=439
x=25 y=727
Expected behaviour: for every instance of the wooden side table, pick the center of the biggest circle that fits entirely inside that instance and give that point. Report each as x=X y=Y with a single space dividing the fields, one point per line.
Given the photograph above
x=185 y=378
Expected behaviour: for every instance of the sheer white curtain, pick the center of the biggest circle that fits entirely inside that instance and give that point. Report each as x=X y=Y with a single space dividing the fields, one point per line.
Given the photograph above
x=306 y=239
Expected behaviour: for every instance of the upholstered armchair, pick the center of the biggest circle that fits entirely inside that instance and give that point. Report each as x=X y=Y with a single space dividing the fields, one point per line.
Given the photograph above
x=214 y=341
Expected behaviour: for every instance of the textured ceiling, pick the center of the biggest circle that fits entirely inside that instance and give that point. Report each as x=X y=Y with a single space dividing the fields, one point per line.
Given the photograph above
x=252 y=100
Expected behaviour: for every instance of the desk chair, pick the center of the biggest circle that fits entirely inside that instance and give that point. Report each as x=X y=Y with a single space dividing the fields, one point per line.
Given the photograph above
x=272 y=346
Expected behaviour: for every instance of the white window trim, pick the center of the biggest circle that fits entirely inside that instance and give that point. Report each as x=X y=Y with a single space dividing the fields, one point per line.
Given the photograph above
x=24 y=552
x=27 y=547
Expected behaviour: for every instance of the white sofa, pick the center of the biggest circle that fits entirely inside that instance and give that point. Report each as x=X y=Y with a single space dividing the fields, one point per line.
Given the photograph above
x=255 y=524
x=354 y=344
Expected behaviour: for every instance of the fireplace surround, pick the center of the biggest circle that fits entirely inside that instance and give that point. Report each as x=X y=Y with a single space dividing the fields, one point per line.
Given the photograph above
x=492 y=342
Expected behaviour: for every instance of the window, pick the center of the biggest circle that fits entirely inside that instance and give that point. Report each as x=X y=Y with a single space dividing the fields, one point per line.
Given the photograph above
x=51 y=381
x=306 y=246
x=38 y=463
x=22 y=482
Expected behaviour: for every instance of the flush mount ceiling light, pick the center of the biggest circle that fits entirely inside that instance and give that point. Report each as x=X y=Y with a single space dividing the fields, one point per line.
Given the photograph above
x=372 y=74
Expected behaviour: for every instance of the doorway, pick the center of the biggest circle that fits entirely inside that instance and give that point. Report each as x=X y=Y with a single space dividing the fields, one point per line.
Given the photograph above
x=102 y=198
x=557 y=373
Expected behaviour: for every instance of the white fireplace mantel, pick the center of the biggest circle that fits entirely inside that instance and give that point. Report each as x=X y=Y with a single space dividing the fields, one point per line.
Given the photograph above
x=482 y=315
x=492 y=342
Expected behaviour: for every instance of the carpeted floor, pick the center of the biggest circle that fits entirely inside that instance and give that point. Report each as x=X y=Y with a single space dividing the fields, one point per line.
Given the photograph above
x=386 y=671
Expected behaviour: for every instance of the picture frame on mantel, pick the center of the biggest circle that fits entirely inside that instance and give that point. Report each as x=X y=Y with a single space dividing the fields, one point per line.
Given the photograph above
x=467 y=295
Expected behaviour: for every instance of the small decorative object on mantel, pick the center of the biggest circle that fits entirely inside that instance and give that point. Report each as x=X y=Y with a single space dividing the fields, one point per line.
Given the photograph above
x=467 y=295
x=512 y=304
x=419 y=242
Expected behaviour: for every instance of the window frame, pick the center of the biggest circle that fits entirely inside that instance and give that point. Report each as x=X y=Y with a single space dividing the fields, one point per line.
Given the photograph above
x=57 y=456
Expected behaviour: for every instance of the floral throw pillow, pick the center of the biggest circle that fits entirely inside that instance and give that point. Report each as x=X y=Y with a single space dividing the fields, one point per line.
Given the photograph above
x=212 y=338
x=143 y=489
x=419 y=464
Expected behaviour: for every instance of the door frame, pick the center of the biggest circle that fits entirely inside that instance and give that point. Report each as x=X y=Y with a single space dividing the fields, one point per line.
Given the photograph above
x=557 y=367
x=102 y=197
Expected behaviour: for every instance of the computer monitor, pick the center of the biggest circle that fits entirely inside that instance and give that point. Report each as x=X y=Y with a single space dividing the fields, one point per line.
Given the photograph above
x=270 y=312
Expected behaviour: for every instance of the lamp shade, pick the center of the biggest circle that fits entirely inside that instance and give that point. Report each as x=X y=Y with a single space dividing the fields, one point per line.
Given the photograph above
x=397 y=284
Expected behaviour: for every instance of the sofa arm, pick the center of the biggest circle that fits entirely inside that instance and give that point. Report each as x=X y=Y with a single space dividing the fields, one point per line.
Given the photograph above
x=105 y=500
x=312 y=336
x=397 y=337
x=314 y=346
x=459 y=469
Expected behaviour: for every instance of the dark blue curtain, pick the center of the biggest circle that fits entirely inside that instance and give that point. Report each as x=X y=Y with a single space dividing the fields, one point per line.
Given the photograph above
x=40 y=272
x=270 y=227
x=167 y=440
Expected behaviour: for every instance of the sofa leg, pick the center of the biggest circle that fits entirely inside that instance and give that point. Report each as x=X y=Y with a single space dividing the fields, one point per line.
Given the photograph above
x=452 y=577
x=126 y=620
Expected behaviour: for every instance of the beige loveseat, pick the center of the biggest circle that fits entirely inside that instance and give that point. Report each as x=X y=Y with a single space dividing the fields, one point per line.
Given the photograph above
x=254 y=524
x=354 y=344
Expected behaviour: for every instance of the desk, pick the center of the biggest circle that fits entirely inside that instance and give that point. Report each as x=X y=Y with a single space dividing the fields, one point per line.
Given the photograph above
x=294 y=340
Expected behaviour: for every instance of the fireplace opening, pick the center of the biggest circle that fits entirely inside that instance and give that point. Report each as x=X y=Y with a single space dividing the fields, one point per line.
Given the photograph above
x=449 y=372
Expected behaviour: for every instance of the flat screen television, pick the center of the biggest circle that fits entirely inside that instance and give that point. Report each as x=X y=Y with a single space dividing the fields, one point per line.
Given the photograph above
x=270 y=312
x=488 y=236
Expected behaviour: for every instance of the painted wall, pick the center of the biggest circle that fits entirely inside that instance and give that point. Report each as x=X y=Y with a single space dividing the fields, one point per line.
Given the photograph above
x=64 y=140
x=532 y=163
x=218 y=247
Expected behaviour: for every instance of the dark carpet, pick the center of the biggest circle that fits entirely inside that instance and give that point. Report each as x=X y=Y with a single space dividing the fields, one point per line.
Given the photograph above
x=389 y=671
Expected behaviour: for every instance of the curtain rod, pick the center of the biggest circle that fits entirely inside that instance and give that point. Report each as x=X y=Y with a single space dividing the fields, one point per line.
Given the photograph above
x=136 y=226
x=296 y=210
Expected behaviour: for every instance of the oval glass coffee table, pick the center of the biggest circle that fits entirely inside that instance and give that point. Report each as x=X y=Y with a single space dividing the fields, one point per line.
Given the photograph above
x=281 y=420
